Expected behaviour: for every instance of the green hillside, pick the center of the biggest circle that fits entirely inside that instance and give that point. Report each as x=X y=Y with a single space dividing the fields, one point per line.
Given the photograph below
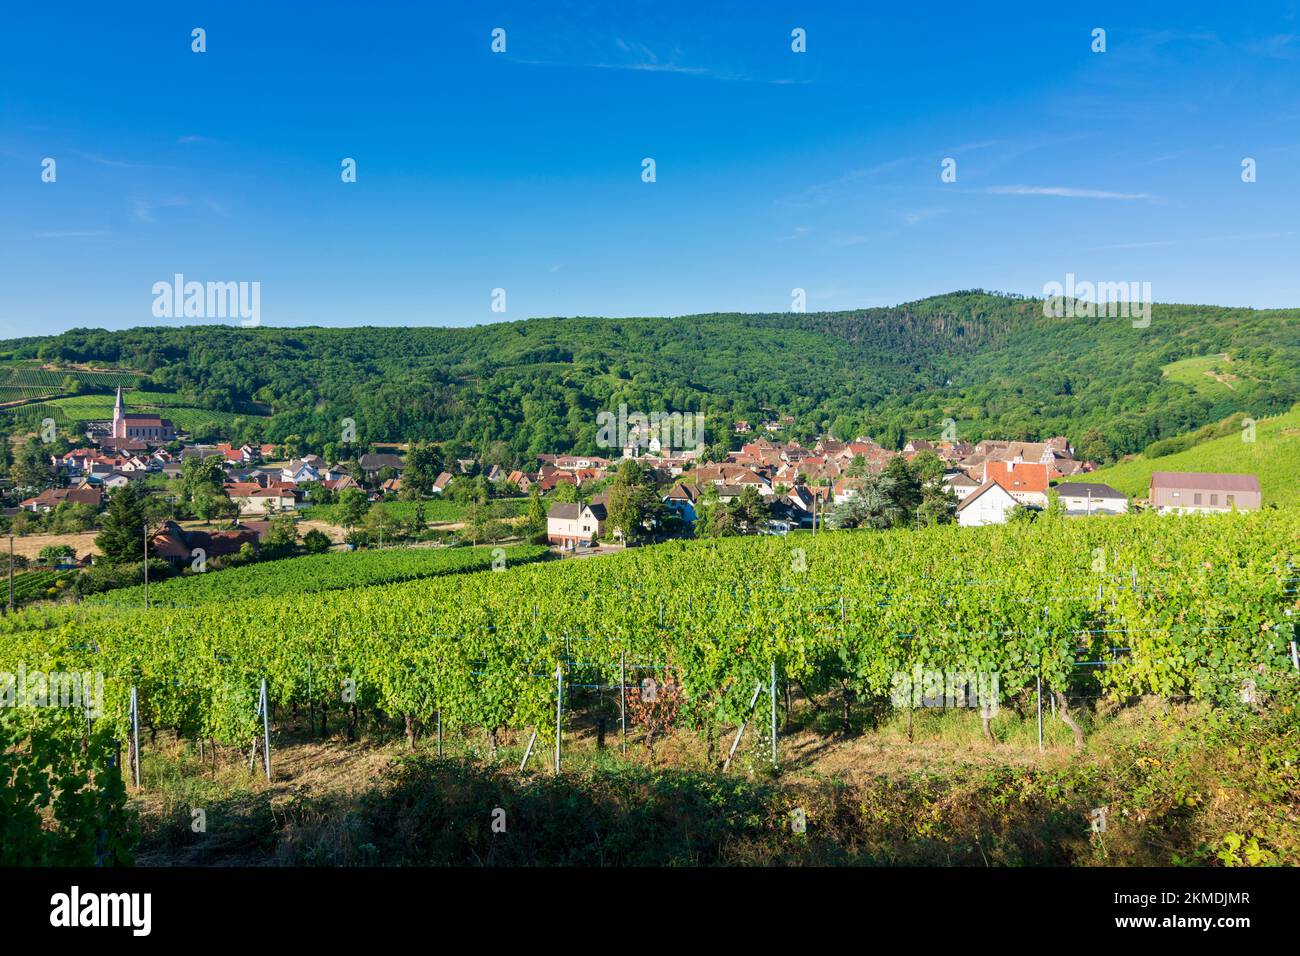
x=1274 y=457
x=72 y=412
x=1215 y=376
x=511 y=390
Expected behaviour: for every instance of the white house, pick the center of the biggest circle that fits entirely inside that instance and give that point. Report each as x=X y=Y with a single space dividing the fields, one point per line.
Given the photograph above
x=300 y=471
x=569 y=525
x=254 y=499
x=1091 y=498
x=960 y=484
x=1026 y=481
x=989 y=505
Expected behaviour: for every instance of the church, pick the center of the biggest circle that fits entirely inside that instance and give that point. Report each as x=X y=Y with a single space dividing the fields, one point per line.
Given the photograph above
x=138 y=427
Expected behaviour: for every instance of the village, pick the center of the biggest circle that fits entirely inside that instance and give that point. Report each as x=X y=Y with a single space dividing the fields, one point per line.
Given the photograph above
x=765 y=486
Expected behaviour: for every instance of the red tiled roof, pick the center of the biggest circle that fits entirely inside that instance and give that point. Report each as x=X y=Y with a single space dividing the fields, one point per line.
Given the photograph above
x=1021 y=476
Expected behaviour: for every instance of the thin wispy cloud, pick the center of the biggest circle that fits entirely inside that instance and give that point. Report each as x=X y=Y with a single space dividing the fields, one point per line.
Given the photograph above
x=1166 y=157
x=1160 y=243
x=70 y=234
x=1070 y=192
x=971 y=147
x=143 y=210
x=115 y=163
x=821 y=192
x=640 y=58
x=1280 y=46
x=647 y=67
x=916 y=216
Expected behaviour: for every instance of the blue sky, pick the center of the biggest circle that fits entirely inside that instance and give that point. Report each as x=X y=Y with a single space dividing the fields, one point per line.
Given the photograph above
x=522 y=170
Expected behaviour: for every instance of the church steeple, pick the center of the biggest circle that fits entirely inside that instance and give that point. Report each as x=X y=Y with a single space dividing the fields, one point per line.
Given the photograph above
x=119 y=423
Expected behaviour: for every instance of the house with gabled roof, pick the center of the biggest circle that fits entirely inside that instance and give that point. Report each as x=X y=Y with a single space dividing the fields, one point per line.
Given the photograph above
x=180 y=546
x=372 y=465
x=51 y=498
x=253 y=498
x=571 y=524
x=1026 y=481
x=1091 y=498
x=682 y=498
x=1184 y=492
x=725 y=474
x=342 y=483
x=991 y=503
x=960 y=484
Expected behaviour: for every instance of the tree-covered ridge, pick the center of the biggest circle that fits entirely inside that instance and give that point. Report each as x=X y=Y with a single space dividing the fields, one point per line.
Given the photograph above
x=994 y=364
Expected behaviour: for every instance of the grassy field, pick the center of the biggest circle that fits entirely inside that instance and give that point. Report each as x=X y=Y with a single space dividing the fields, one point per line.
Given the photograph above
x=1272 y=456
x=1214 y=376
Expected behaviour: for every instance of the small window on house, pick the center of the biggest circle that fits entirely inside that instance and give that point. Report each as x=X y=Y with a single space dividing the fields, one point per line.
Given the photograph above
x=1214 y=499
x=1231 y=499
x=1175 y=494
x=1197 y=498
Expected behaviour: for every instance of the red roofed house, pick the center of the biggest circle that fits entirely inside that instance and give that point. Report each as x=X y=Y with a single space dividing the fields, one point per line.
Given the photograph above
x=339 y=484
x=520 y=480
x=1026 y=481
x=51 y=498
x=252 y=498
x=177 y=546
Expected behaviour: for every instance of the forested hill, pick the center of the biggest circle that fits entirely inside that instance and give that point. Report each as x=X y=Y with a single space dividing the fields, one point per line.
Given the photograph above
x=992 y=363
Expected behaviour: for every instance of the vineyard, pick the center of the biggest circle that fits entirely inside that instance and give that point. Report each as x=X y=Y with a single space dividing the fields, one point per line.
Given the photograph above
x=72 y=411
x=25 y=383
x=313 y=574
x=29 y=377
x=1189 y=607
x=38 y=585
